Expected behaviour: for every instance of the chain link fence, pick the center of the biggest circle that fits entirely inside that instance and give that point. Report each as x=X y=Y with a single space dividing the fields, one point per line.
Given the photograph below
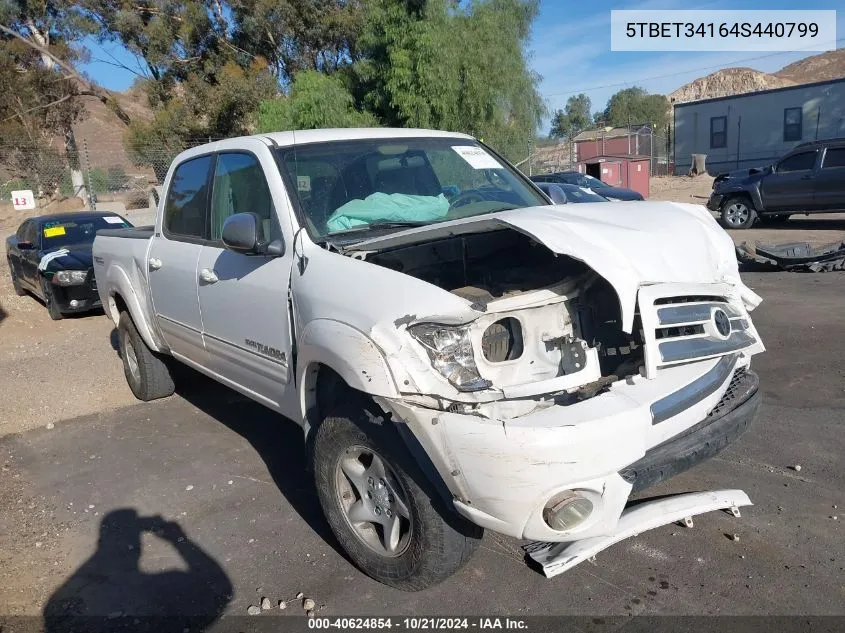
x=91 y=172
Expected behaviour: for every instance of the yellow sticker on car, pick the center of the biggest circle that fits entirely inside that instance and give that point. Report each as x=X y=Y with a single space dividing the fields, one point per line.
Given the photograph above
x=54 y=231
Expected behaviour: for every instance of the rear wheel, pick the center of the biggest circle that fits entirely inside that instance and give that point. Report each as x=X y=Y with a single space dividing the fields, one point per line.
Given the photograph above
x=50 y=301
x=146 y=372
x=738 y=213
x=382 y=510
x=16 y=283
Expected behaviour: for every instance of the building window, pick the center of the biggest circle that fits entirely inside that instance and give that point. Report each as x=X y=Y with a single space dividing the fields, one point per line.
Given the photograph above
x=792 y=124
x=718 y=132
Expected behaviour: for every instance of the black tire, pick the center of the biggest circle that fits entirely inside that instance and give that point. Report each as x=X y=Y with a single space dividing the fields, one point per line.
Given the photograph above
x=50 y=301
x=774 y=219
x=738 y=212
x=149 y=378
x=16 y=283
x=437 y=540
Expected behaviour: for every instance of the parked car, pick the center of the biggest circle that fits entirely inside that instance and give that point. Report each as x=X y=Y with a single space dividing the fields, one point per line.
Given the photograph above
x=457 y=362
x=810 y=178
x=589 y=182
x=564 y=193
x=50 y=256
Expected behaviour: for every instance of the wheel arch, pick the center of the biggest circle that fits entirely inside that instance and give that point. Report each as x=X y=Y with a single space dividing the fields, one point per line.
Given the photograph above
x=122 y=297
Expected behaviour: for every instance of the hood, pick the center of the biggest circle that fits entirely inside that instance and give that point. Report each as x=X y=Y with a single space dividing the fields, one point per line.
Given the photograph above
x=628 y=243
x=67 y=257
x=740 y=175
x=620 y=193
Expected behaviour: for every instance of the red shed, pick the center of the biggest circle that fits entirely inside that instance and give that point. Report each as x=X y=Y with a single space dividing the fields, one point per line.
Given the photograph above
x=629 y=171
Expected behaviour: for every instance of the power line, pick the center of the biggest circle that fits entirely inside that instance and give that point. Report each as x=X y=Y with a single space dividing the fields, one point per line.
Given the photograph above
x=682 y=72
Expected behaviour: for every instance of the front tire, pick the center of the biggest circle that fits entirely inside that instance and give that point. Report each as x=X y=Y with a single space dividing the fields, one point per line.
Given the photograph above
x=50 y=301
x=16 y=283
x=146 y=372
x=393 y=526
x=738 y=213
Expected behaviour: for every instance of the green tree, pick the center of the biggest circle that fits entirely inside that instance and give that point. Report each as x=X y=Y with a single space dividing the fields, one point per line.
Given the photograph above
x=315 y=100
x=574 y=118
x=452 y=66
x=636 y=106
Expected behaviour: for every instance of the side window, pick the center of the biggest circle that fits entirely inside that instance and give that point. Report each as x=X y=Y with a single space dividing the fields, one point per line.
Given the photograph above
x=31 y=233
x=798 y=162
x=792 y=124
x=834 y=158
x=240 y=187
x=718 y=132
x=185 y=212
x=22 y=230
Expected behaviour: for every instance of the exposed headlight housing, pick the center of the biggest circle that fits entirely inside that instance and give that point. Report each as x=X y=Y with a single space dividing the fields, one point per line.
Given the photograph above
x=450 y=350
x=70 y=277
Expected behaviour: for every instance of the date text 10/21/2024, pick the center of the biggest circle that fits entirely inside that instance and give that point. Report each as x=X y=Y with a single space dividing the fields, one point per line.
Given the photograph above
x=419 y=623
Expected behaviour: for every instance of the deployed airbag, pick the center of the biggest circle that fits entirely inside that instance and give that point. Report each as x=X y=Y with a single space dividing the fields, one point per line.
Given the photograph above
x=388 y=207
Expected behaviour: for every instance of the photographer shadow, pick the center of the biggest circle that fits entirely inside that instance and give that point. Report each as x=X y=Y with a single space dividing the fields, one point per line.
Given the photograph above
x=110 y=586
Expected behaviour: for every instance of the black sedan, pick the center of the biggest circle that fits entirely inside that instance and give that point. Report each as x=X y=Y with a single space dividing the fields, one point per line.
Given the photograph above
x=588 y=182
x=50 y=256
x=565 y=194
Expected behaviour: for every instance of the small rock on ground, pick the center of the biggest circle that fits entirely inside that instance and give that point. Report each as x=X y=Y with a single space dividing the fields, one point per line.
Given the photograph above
x=253 y=610
x=265 y=604
x=308 y=604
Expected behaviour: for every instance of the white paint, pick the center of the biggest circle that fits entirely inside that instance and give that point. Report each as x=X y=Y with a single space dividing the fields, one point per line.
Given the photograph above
x=23 y=200
x=42 y=265
x=476 y=157
x=113 y=219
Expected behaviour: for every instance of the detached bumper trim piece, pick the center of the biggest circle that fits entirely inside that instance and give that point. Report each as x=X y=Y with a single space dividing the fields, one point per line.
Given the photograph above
x=556 y=558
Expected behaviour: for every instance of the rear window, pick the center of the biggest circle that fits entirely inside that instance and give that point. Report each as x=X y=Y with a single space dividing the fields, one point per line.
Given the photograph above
x=834 y=157
x=186 y=209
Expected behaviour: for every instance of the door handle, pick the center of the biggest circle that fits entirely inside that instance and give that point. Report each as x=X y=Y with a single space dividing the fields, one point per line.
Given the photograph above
x=208 y=276
x=155 y=263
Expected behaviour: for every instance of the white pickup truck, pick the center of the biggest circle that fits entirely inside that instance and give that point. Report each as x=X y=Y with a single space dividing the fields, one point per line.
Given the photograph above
x=460 y=353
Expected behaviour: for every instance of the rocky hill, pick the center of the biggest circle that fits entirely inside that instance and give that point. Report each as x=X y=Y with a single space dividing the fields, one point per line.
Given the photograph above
x=830 y=65
x=734 y=81
x=730 y=81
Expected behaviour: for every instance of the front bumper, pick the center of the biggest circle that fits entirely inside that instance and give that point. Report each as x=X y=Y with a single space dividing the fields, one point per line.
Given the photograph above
x=714 y=202
x=502 y=473
x=79 y=298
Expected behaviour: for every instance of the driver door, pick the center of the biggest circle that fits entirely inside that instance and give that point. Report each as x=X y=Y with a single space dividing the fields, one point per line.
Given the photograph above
x=244 y=298
x=791 y=185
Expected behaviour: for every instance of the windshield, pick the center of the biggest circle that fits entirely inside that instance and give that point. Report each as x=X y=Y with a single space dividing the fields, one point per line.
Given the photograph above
x=365 y=185
x=593 y=183
x=78 y=230
x=577 y=194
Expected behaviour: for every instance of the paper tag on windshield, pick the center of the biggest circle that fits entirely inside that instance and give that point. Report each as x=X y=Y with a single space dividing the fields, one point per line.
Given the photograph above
x=476 y=157
x=303 y=183
x=113 y=219
x=54 y=231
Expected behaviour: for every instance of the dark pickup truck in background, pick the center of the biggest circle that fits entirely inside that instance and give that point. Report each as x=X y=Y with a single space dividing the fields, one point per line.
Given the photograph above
x=50 y=257
x=809 y=179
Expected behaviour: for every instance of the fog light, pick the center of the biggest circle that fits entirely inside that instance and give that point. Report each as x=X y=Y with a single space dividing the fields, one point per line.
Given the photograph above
x=566 y=511
x=74 y=303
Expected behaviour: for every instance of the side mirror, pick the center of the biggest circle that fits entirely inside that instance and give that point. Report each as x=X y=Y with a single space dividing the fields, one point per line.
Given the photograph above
x=25 y=245
x=557 y=195
x=244 y=233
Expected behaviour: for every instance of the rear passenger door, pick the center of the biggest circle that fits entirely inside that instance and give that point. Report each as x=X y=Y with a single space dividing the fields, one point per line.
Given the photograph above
x=244 y=298
x=830 y=181
x=176 y=246
x=790 y=186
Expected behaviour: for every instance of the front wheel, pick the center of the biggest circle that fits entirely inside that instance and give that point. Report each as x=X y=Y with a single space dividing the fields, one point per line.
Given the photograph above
x=16 y=283
x=382 y=509
x=50 y=301
x=738 y=213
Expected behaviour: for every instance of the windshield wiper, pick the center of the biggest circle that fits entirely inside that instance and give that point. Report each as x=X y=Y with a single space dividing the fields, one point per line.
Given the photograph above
x=379 y=225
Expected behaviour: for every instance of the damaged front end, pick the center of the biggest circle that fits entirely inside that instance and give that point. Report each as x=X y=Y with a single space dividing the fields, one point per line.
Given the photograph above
x=574 y=374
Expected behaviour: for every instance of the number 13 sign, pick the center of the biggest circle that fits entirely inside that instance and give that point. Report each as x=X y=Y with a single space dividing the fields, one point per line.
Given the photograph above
x=23 y=200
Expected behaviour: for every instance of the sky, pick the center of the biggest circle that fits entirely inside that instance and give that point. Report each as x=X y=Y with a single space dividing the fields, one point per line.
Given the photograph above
x=570 y=49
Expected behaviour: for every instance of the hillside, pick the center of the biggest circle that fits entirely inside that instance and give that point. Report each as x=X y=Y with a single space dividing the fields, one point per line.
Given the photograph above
x=729 y=81
x=830 y=65
x=734 y=81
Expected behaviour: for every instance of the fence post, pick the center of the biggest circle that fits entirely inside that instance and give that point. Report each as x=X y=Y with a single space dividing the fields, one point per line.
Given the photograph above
x=92 y=206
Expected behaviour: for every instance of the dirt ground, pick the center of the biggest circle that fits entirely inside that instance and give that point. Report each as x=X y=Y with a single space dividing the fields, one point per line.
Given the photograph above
x=51 y=371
